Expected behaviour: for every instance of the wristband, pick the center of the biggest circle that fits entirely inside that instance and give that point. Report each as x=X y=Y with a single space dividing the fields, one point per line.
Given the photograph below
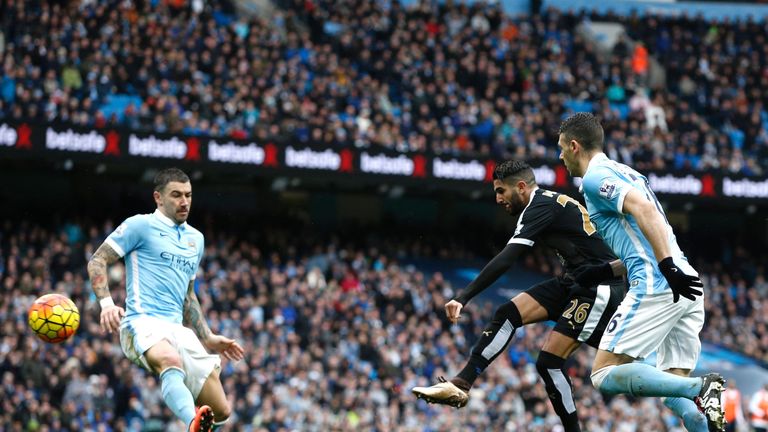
x=106 y=302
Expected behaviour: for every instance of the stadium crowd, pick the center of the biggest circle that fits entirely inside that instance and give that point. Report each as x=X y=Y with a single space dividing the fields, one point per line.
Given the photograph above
x=453 y=79
x=335 y=332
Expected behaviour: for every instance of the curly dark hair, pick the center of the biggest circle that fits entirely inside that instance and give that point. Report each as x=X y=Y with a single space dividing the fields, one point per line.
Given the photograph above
x=584 y=128
x=513 y=170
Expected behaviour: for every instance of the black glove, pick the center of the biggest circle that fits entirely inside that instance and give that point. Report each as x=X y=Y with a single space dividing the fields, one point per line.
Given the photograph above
x=591 y=274
x=681 y=283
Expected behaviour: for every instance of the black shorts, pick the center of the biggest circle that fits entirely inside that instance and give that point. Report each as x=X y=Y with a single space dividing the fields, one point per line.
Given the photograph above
x=582 y=317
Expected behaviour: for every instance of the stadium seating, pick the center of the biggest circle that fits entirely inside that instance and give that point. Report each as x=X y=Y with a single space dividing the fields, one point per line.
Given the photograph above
x=335 y=333
x=404 y=79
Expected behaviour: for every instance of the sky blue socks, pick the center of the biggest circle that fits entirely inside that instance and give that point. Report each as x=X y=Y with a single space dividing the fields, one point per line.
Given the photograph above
x=640 y=379
x=693 y=419
x=176 y=395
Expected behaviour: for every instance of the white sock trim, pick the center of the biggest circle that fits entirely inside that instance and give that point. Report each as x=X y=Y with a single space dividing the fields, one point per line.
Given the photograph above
x=599 y=376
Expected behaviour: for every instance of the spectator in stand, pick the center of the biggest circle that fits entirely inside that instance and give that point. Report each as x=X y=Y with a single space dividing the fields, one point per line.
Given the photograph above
x=346 y=360
x=452 y=79
x=758 y=410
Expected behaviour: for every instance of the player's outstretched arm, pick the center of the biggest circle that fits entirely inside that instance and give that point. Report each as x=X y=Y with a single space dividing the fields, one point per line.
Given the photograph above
x=193 y=317
x=97 y=272
x=654 y=228
x=488 y=275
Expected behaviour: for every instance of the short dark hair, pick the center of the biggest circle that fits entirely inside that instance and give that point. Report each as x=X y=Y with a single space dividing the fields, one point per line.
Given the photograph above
x=584 y=128
x=514 y=170
x=169 y=175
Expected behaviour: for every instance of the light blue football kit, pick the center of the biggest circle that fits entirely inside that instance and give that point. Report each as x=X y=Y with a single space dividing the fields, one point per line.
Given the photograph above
x=647 y=320
x=161 y=259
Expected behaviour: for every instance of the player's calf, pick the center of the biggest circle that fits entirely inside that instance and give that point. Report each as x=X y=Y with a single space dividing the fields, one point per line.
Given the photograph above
x=492 y=342
x=559 y=389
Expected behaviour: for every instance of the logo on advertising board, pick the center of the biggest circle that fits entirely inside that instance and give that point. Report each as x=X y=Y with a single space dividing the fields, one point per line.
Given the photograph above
x=24 y=137
x=312 y=159
x=91 y=142
x=419 y=166
x=113 y=143
x=270 y=155
x=383 y=164
x=545 y=176
x=561 y=176
x=232 y=153
x=457 y=170
x=193 y=149
x=670 y=184
x=745 y=188
x=8 y=135
x=172 y=148
x=490 y=167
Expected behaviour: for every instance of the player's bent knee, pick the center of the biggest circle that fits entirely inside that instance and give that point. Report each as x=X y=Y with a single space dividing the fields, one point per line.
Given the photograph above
x=548 y=361
x=222 y=414
x=507 y=311
x=599 y=375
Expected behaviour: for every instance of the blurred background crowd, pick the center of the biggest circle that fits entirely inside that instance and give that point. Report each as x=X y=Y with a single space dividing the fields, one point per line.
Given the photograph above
x=338 y=327
x=447 y=78
x=336 y=333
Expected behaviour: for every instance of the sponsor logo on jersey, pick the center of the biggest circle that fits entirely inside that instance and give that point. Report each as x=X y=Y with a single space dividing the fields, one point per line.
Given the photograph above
x=185 y=264
x=120 y=230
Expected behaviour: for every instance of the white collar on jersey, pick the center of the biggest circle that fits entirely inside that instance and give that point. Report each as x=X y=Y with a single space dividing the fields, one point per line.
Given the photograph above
x=595 y=159
x=533 y=192
x=166 y=220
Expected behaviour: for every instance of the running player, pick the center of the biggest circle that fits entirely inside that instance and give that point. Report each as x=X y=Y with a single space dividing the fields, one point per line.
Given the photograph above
x=651 y=317
x=162 y=253
x=581 y=314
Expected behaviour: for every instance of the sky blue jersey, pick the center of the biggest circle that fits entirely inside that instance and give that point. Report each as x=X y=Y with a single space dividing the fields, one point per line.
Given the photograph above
x=605 y=185
x=161 y=258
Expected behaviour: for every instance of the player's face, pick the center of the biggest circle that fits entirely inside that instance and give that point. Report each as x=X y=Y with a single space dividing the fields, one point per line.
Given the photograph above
x=568 y=156
x=508 y=197
x=175 y=200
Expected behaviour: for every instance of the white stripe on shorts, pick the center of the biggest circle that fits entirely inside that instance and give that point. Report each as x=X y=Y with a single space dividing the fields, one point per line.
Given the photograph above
x=498 y=342
x=601 y=301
